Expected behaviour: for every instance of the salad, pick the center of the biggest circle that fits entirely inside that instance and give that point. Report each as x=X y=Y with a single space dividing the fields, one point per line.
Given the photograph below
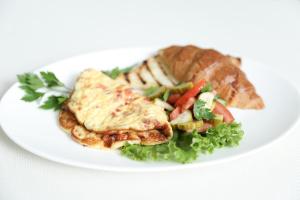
x=200 y=121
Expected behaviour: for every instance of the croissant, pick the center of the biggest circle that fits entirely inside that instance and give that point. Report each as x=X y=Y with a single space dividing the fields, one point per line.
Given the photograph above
x=176 y=64
x=191 y=63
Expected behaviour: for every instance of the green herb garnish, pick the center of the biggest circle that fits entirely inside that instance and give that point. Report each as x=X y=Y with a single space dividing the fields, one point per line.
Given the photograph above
x=54 y=102
x=31 y=94
x=207 y=88
x=36 y=87
x=186 y=147
x=50 y=79
x=200 y=112
x=30 y=80
x=114 y=73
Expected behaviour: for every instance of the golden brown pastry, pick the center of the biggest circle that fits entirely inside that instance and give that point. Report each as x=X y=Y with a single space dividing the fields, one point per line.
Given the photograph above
x=190 y=63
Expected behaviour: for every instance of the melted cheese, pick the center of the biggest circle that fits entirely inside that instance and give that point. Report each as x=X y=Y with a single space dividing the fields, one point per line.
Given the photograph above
x=101 y=104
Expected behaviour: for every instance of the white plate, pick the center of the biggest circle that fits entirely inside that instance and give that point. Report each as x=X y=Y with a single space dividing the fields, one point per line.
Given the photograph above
x=37 y=131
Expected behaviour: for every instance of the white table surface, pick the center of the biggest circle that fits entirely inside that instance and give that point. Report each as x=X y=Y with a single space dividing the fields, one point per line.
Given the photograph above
x=36 y=33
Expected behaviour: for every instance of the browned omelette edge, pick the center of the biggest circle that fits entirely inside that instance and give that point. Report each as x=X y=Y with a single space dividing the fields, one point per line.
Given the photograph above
x=80 y=134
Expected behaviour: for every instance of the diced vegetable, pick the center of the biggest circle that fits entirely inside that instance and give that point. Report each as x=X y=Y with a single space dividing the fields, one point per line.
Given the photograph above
x=189 y=126
x=222 y=110
x=181 y=88
x=208 y=98
x=200 y=112
x=190 y=93
x=220 y=100
x=184 y=117
x=204 y=128
x=207 y=88
x=173 y=98
x=163 y=104
x=175 y=113
x=218 y=119
x=150 y=90
x=166 y=95
x=154 y=92
x=190 y=102
x=213 y=105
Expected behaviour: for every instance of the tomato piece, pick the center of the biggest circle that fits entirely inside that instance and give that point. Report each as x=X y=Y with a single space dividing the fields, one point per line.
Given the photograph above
x=204 y=127
x=190 y=93
x=222 y=110
x=173 y=98
x=189 y=103
x=174 y=114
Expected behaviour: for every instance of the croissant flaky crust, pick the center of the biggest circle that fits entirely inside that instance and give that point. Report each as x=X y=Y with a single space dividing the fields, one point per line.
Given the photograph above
x=191 y=63
x=176 y=64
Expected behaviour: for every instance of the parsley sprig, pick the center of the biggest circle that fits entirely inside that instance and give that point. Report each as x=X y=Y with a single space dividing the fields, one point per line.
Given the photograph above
x=37 y=87
x=207 y=88
x=200 y=112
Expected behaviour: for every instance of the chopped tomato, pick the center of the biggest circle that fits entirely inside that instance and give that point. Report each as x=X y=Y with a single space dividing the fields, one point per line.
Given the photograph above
x=190 y=93
x=173 y=98
x=174 y=114
x=222 y=110
x=189 y=103
x=204 y=127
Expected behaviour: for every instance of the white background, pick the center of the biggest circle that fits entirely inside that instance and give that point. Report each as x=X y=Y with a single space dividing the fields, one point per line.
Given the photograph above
x=36 y=33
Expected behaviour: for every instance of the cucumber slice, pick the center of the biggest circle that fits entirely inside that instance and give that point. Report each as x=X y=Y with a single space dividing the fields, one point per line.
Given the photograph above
x=218 y=119
x=184 y=117
x=189 y=126
x=181 y=88
x=155 y=93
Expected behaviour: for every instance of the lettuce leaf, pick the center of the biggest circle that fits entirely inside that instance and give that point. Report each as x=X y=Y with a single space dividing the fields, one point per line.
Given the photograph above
x=186 y=147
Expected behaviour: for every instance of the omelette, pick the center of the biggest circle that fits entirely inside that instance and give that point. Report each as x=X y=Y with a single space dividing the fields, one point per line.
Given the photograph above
x=106 y=113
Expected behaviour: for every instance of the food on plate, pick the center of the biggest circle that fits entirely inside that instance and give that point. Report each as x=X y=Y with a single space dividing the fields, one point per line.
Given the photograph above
x=175 y=123
x=108 y=114
x=189 y=63
x=200 y=122
x=171 y=107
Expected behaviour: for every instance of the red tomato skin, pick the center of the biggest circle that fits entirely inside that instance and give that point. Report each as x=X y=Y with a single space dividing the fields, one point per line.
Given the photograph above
x=174 y=114
x=173 y=98
x=222 y=110
x=188 y=104
x=190 y=93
